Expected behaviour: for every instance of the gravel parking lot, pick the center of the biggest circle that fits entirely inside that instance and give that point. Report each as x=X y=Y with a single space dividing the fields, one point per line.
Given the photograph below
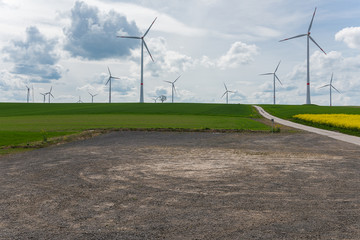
x=184 y=185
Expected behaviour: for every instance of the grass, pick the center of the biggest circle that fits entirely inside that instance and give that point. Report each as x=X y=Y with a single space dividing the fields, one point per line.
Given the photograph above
x=21 y=123
x=288 y=111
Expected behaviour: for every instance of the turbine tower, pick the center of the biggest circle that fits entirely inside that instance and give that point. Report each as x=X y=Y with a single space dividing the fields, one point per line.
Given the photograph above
x=28 y=94
x=92 y=97
x=109 y=82
x=173 y=88
x=330 y=86
x=143 y=43
x=275 y=76
x=227 y=94
x=50 y=94
x=308 y=101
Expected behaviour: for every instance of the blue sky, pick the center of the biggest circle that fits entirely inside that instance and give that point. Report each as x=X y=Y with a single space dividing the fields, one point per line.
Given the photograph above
x=69 y=45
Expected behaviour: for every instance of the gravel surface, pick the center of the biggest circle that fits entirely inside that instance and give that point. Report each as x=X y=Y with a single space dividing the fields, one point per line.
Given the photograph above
x=172 y=185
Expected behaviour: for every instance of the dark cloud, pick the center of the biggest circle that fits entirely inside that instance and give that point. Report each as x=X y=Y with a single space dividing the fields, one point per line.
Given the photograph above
x=34 y=57
x=92 y=35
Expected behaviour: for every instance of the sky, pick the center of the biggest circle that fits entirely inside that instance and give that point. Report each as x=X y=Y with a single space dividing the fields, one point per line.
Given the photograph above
x=68 y=46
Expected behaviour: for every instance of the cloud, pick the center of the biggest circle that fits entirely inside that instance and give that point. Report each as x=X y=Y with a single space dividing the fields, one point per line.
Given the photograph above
x=35 y=57
x=350 y=36
x=239 y=53
x=92 y=34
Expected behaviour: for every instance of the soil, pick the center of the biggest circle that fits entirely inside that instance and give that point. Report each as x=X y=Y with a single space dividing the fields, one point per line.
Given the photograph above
x=183 y=185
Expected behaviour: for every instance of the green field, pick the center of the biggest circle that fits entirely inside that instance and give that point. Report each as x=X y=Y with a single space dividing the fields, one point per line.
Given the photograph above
x=23 y=123
x=288 y=111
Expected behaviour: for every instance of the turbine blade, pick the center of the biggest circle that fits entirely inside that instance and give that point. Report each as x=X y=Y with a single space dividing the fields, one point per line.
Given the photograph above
x=278 y=79
x=317 y=44
x=224 y=94
x=174 y=89
x=331 y=78
x=109 y=71
x=325 y=86
x=50 y=90
x=277 y=67
x=177 y=78
x=148 y=50
x=312 y=19
x=225 y=87
x=334 y=88
x=149 y=28
x=266 y=74
x=115 y=77
x=51 y=95
x=129 y=37
x=108 y=81
x=168 y=82
x=301 y=35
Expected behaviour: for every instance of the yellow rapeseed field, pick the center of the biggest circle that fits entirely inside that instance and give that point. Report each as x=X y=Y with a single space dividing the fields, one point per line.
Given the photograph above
x=349 y=121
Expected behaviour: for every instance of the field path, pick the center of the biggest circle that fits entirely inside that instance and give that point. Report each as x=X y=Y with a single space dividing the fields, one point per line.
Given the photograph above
x=331 y=134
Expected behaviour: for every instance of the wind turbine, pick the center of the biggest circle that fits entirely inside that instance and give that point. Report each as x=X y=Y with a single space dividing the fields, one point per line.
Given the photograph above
x=330 y=86
x=79 y=100
x=109 y=82
x=50 y=94
x=227 y=94
x=143 y=43
x=275 y=76
x=28 y=93
x=155 y=99
x=173 y=88
x=32 y=86
x=92 y=97
x=308 y=101
x=44 y=94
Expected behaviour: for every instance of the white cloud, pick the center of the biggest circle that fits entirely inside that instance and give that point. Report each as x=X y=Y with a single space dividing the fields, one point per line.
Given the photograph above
x=350 y=36
x=239 y=53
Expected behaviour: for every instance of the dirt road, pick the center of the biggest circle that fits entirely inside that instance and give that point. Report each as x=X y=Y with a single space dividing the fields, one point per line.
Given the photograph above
x=161 y=185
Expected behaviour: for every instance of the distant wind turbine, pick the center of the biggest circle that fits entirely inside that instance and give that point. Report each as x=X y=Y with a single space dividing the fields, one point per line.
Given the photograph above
x=109 y=82
x=44 y=94
x=143 y=43
x=227 y=94
x=28 y=94
x=79 y=100
x=92 y=97
x=155 y=99
x=308 y=101
x=173 y=90
x=275 y=76
x=50 y=94
x=330 y=86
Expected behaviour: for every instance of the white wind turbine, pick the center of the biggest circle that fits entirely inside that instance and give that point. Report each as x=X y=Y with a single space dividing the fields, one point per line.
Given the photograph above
x=330 y=86
x=227 y=94
x=92 y=97
x=173 y=90
x=44 y=94
x=109 y=82
x=275 y=76
x=28 y=94
x=143 y=43
x=308 y=101
x=79 y=100
x=50 y=94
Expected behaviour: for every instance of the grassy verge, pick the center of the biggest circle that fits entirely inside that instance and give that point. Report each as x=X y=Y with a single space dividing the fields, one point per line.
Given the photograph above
x=288 y=111
x=23 y=124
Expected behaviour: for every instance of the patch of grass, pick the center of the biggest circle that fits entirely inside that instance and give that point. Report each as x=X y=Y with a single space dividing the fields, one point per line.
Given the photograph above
x=22 y=123
x=288 y=111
